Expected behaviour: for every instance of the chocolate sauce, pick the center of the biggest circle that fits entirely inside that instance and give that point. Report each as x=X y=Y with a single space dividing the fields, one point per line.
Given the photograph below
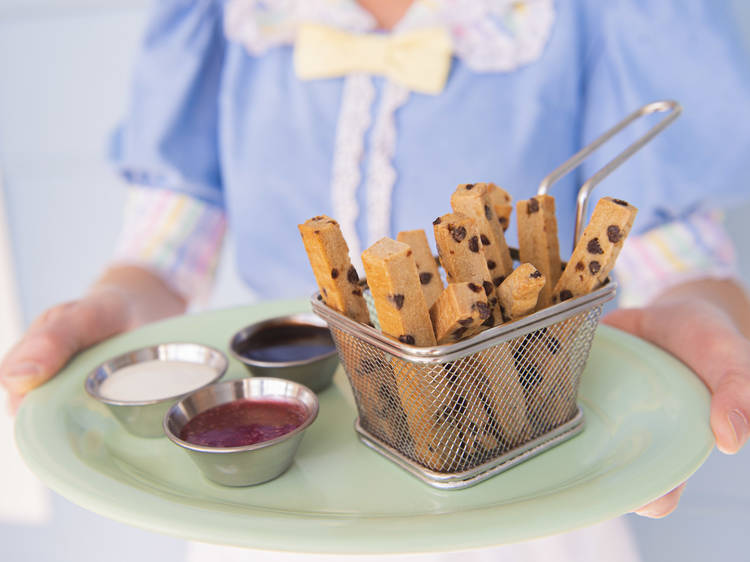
x=278 y=344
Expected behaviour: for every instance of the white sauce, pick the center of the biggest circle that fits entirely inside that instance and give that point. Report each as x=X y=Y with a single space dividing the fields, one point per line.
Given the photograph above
x=154 y=380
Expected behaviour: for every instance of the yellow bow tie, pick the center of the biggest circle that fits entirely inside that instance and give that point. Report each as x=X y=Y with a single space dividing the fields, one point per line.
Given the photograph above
x=419 y=60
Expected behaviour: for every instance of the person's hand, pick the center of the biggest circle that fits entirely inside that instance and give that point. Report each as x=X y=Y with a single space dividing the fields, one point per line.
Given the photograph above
x=57 y=335
x=125 y=297
x=703 y=335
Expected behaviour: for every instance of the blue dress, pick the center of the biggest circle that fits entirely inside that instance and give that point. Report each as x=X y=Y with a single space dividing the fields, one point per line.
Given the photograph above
x=229 y=123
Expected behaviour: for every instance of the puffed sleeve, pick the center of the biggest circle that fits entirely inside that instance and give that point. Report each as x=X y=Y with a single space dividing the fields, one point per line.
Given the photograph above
x=169 y=136
x=638 y=51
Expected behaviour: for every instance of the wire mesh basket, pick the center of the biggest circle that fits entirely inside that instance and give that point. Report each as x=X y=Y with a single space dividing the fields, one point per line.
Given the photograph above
x=454 y=415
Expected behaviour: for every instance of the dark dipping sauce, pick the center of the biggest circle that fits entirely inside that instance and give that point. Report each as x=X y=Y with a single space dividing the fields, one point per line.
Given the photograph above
x=279 y=344
x=243 y=422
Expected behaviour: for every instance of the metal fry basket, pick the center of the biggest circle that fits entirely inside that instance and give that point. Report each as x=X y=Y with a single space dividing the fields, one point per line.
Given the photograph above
x=454 y=415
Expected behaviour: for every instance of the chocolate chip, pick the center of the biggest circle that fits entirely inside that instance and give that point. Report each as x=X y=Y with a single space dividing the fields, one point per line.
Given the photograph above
x=425 y=277
x=357 y=292
x=437 y=221
x=352 y=276
x=334 y=273
x=473 y=244
x=503 y=222
x=469 y=186
x=620 y=202
x=482 y=308
x=474 y=287
x=505 y=314
x=406 y=338
x=318 y=218
x=580 y=266
x=594 y=247
x=458 y=232
x=490 y=320
x=450 y=369
x=491 y=265
x=594 y=267
x=397 y=301
x=488 y=213
x=529 y=374
x=485 y=240
x=458 y=333
x=488 y=288
x=497 y=281
x=532 y=206
x=565 y=294
x=320 y=297
x=408 y=253
x=552 y=345
x=466 y=321
x=459 y=404
x=325 y=293
x=613 y=233
x=536 y=275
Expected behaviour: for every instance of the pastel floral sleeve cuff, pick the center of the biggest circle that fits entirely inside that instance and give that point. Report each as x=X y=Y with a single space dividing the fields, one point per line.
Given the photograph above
x=176 y=236
x=694 y=247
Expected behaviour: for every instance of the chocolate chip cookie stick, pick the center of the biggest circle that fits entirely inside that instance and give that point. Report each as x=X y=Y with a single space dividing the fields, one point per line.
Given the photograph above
x=501 y=203
x=329 y=257
x=429 y=276
x=595 y=253
x=461 y=255
x=431 y=423
x=537 y=241
x=397 y=293
x=519 y=293
x=459 y=312
x=503 y=395
x=472 y=200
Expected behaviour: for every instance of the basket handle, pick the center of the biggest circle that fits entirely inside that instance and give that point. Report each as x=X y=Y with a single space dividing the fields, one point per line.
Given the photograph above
x=584 y=193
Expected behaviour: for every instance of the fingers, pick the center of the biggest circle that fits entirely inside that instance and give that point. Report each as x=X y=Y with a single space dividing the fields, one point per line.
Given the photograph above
x=55 y=337
x=625 y=319
x=40 y=354
x=704 y=338
x=730 y=406
x=699 y=334
x=663 y=506
x=14 y=402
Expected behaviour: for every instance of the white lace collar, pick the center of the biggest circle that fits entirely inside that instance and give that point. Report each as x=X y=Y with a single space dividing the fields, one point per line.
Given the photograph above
x=488 y=35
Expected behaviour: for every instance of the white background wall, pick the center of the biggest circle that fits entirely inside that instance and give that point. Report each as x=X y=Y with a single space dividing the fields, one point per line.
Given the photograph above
x=64 y=68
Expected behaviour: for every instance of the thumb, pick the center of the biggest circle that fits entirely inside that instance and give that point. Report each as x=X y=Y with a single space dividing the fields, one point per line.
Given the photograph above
x=55 y=337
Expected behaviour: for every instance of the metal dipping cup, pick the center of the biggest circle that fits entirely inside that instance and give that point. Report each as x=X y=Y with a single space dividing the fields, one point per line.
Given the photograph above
x=144 y=417
x=249 y=464
x=314 y=372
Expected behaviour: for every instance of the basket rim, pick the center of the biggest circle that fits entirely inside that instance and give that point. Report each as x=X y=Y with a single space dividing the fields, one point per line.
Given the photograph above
x=479 y=342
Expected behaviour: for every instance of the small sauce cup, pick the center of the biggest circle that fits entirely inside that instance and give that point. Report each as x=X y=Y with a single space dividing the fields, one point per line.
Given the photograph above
x=245 y=465
x=140 y=404
x=296 y=347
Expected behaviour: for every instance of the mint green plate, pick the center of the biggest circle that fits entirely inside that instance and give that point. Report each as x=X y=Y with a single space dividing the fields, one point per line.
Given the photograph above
x=646 y=431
